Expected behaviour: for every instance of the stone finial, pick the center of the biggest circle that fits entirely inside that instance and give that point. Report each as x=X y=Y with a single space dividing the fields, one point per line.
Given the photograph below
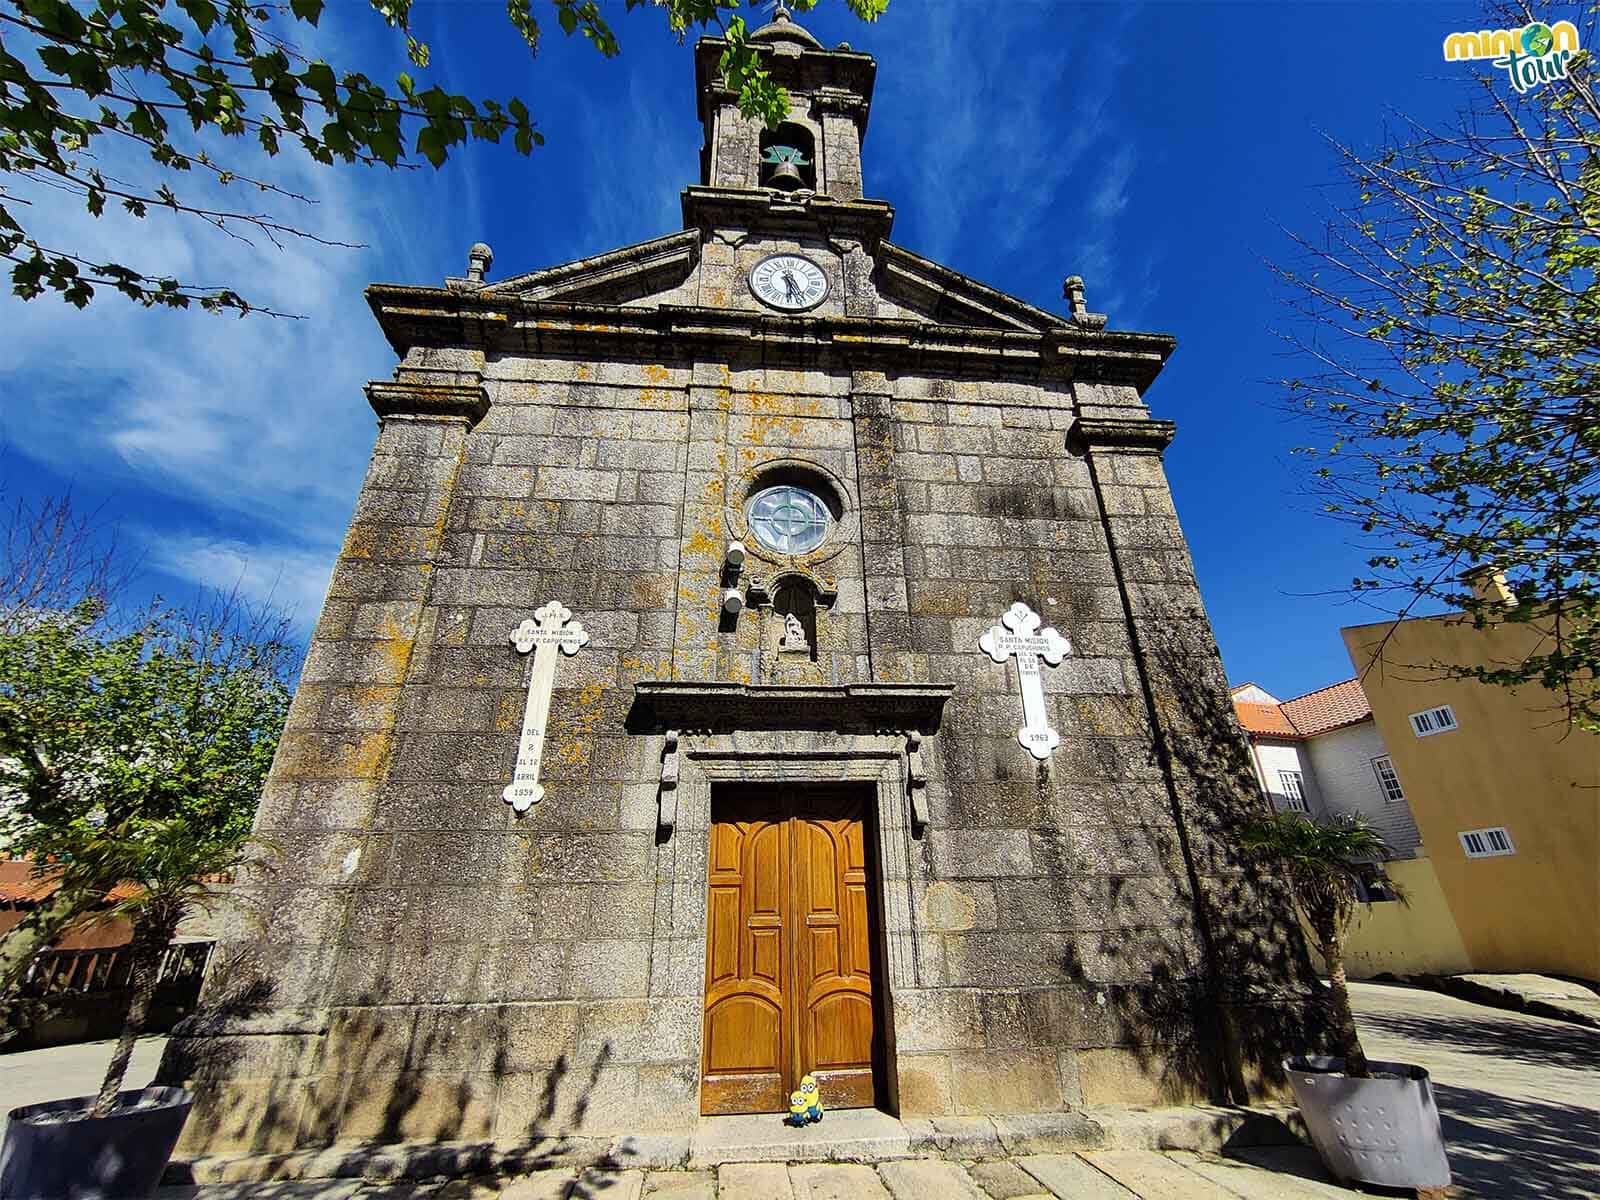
x=479 y=259
x=1077 y=306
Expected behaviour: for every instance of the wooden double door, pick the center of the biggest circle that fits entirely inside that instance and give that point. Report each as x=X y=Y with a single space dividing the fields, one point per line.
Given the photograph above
x=791 y=945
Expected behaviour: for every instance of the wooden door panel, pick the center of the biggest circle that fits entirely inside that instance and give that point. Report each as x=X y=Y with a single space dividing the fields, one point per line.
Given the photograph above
x=833 y=963
x=789 y=986
x=747 y=1019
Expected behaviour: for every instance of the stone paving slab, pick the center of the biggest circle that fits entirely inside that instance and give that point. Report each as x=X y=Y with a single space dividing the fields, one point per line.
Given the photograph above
x=1069 y=1175
x=836 y=1181
x=1275 y=1173
x=611 y=1185
x=1298 y=1175
x=679 y=1185
x=307 y=1189
x=1004 y=1180
x=754 y=1181
x=1155 y=1176
x=925 y=1179
x=542 y=1185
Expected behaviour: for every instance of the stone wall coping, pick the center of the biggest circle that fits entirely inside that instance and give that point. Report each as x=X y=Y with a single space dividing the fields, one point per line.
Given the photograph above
x=726 y=707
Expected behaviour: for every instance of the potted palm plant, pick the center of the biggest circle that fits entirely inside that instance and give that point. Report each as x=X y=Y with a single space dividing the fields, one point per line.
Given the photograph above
x=1370 y=1121
x=116 y=1143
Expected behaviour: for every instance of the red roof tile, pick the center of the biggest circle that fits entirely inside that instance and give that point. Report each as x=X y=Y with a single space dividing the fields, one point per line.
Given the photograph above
x=1306 y=716
x=1328 y=708
x=1264 y=719
x=20 y=885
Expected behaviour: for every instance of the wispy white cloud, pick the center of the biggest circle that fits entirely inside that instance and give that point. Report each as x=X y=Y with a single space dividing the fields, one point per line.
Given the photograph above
x=290 y=578
x=221 y=426
x=997 y=157
x=1110 y=194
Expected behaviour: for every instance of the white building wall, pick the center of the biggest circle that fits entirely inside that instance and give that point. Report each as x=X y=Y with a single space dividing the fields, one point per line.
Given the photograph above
x=1341 y=760
x=1252 y=694
x=1274 y=756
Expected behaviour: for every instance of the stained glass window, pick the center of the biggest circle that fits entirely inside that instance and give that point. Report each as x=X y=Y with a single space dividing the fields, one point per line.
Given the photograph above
x=788 y=519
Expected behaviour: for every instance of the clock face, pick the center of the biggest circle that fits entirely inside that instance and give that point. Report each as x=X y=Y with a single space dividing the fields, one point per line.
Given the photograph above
x=789 y=282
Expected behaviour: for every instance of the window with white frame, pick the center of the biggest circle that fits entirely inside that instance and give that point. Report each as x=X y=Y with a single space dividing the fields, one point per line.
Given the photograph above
x=1433 y=720
x=1487 y=843
x=1387 y=779
x=1291 y=790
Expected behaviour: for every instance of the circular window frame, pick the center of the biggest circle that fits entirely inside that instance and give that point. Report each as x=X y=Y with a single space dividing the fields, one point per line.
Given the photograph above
x=810 y=477
x=806 y=505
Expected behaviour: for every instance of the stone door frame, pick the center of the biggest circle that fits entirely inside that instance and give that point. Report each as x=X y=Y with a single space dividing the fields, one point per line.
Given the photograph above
x=730 y=746
x=755 y=758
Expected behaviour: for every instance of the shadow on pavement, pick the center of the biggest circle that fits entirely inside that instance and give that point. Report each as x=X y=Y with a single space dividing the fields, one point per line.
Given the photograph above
x=1529 y=1042
x=1503 y=1147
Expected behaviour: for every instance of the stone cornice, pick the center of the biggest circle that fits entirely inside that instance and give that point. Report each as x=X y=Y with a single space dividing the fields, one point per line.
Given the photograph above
x=707 y=208
x=917 y=274
x=467 y=402
x=434 y=317
x=847 y=71
x=669 y=258
x=712 y=707
x=1131 y=435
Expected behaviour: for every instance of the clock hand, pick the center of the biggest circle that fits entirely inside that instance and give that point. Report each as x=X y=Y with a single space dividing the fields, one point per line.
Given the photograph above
x=791 y=288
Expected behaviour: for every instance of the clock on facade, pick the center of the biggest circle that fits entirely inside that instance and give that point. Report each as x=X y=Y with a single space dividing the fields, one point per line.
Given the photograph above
x=789 y=281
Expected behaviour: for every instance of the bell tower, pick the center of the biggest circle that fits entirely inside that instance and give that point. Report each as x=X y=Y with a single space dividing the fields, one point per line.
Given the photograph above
x=817 y=149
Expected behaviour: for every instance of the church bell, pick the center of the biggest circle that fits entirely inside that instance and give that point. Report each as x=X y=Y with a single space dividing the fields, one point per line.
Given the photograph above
x=785 y=163
x=786 y=176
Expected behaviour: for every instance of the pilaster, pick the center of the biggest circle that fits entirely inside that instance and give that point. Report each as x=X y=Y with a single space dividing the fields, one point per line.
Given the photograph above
x=882 y=536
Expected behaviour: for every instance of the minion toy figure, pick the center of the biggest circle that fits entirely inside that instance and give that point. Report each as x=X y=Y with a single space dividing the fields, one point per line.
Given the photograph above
x=813 y=1097
x=805 y=1106
x=797 y=1110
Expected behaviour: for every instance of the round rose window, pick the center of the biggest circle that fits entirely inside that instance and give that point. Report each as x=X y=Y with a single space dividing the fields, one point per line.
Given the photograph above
x=788 y=519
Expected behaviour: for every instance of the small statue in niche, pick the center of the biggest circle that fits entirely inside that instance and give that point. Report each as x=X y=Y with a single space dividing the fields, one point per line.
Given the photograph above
x=794 y=636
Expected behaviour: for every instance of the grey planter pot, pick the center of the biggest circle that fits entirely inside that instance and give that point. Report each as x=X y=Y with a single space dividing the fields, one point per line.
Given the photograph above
x=1381 y=1131
x=120 y=1157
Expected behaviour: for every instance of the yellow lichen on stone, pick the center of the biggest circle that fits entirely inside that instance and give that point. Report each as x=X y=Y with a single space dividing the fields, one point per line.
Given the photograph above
x=396 y=645
x=508 y=713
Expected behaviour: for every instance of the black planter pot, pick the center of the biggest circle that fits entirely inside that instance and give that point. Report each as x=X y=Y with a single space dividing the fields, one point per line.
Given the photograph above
x=1383 y=1131
x=120 y=1157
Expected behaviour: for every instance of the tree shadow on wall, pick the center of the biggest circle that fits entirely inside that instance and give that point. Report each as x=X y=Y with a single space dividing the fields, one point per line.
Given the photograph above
x=1230 y=989
x=394 y=1082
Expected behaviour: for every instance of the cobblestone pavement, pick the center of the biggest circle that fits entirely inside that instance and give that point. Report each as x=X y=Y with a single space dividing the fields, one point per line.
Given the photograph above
x=1272 y=1174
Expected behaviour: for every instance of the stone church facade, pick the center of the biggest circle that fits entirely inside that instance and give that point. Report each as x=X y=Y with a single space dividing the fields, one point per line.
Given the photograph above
x=882 y=734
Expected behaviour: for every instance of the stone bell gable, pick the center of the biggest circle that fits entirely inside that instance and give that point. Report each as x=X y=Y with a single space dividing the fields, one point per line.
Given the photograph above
x=756 y=652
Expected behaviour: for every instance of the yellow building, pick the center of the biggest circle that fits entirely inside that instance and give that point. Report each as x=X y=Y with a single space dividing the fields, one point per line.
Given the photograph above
x=1505 y=795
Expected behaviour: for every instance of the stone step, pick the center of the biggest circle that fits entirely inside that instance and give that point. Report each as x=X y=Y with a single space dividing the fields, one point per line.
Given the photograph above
x=854 y=1135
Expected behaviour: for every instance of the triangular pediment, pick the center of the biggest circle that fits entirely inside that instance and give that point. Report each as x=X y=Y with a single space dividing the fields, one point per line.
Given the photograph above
x=917 y=288
x=649 y=269
x=663 y=271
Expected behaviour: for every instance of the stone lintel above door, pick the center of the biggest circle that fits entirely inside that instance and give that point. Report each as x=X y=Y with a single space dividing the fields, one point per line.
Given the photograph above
x=713 y=707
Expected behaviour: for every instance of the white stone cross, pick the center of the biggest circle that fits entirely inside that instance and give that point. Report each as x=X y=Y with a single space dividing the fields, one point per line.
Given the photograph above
x=1019 y=634
x=549 y=635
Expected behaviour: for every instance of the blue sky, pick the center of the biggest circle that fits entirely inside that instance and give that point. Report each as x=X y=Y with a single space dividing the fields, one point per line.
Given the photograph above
x=1155 y=150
